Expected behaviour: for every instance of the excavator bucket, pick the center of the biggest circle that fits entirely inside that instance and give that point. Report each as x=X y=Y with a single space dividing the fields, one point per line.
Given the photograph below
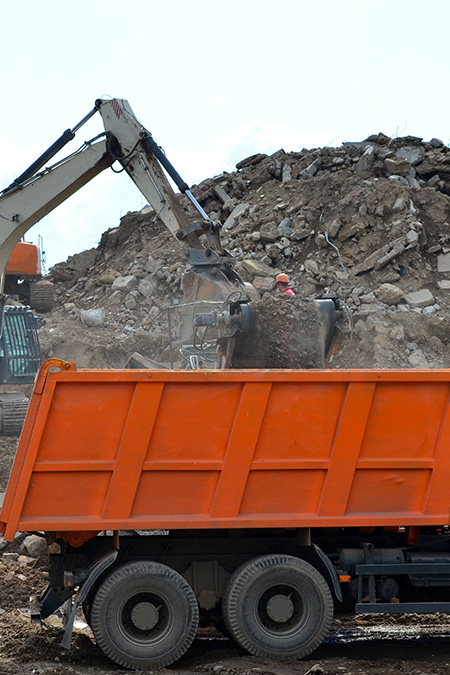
x=289 y=333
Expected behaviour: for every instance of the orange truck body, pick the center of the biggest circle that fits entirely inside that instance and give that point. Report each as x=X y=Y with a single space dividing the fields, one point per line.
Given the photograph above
x=25 y=261
x=133 y=450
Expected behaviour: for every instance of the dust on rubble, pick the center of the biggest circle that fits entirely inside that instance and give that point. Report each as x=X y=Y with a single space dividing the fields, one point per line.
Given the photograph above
x=369 y=221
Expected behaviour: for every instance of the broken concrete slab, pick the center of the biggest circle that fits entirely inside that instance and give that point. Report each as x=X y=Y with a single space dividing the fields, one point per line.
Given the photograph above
x=264 y=284
x=124 y=284
x=414 y=154
x=258 y=269
x=363 y=166
x=397 y=166
x=236 y=213
x=443 y=262
x=420 y=299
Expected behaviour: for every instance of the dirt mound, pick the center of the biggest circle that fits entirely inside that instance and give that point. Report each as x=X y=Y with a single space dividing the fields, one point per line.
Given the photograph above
x=368 y=221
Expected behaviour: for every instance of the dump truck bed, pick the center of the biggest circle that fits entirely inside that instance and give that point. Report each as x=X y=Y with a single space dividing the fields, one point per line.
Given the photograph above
x=127 y=450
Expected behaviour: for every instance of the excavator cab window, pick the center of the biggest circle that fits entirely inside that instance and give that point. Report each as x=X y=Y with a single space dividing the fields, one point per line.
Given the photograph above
x=20 y=355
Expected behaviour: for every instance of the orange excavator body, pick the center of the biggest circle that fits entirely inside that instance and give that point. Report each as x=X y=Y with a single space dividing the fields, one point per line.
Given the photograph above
x=25 y=261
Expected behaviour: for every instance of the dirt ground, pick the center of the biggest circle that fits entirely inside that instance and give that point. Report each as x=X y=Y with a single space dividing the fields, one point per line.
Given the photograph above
x=362 y=645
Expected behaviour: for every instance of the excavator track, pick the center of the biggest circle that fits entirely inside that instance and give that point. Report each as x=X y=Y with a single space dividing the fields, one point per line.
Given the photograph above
x=14 y=408
x=42 y=296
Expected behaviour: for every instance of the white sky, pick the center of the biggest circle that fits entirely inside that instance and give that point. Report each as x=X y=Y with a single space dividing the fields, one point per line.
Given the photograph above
x=213 y=82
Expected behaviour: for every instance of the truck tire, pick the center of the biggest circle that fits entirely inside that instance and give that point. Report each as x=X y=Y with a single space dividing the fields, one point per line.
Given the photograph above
x=42 y=296
x=144 y=615
x=278 y=606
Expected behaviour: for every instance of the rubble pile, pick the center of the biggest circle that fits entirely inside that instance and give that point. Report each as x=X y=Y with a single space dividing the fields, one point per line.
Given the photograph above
x=369 y=221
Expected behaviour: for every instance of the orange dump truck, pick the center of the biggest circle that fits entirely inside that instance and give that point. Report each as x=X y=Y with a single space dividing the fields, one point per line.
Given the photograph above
x=260 y=501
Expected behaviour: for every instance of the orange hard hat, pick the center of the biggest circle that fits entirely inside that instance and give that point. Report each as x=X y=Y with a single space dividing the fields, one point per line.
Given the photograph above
x=283 y=278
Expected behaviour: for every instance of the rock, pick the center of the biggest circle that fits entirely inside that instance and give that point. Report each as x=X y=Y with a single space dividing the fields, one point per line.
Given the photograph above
x=264 y=284
x=130 y=303
x=313 y=168
x=334 y=228
x=93 y=317
x=414 y=154
x=35 y=545
x=220 y=192
x=10 y=557
x=400 y=204
x=370 y=260
x=443 y=262
x=286 y=173
x=351 y=230
x=364 y=165
x=396 y=248
x=256 y=268
x=397 y=166
x=125 y=284
x=285 y=227
x=154 y=312
x=397 y=333
x=236 y=213
x=417 y=359
x=312 y=267
x=253 y=160
x=367 y=298
x=24 y=560
x=106 y=278
x=300 y=235
x=83 y=261
x=146 y=287
x=412 y=237
x=420 y=299
x=444 y=284
x=389 y=294
x=436 y=143
x=269 y=233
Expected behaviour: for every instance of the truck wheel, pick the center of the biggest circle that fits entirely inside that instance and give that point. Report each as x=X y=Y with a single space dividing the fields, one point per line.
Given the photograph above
x=42 y=296
x=278 y=606
x=144 y=615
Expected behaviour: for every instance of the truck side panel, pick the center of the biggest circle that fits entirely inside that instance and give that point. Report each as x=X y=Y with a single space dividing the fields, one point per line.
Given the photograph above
x=107 y=450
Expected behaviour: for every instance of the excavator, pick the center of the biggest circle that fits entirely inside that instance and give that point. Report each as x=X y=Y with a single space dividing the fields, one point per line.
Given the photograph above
x=211 y=277
x=23 y=277
x=216 y=301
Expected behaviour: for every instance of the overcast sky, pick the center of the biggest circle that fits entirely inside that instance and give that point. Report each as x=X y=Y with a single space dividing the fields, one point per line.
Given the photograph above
x=214 y=82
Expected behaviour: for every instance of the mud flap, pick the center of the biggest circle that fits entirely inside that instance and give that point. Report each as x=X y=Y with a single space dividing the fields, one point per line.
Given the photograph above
x=331 y=572
x=94 y=572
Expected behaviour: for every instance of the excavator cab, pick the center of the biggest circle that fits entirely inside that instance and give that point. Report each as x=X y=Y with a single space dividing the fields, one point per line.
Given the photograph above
x=20 y=353
x=20 y=359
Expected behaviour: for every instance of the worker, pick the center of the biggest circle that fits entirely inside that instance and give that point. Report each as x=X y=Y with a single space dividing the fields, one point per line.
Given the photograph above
x=282 y=284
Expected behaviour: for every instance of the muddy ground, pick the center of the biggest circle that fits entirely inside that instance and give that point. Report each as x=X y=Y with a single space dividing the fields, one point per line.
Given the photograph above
x=354 y=646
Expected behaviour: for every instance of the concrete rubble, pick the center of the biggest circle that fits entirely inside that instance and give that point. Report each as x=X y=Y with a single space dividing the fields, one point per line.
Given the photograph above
x=368 y=220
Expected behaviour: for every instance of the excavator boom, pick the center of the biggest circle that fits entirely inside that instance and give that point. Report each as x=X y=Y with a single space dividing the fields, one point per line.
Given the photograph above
x=40 y=189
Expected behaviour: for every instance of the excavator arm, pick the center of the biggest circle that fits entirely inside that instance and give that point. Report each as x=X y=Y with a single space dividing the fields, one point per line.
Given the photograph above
x=41 y=188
